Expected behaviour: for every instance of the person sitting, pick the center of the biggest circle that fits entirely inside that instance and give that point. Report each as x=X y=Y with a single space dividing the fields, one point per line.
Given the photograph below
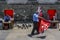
x=6 y=18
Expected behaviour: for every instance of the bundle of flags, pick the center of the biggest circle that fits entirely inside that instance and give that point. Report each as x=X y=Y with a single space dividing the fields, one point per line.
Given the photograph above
x=39 y=9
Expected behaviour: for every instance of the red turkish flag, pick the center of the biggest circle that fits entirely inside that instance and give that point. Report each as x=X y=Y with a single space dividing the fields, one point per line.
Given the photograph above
x=9 y=12
x=51 y=13
x=43 y=25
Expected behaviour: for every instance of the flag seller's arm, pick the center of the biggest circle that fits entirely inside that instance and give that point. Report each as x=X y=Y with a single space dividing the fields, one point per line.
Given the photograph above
x=40 y=17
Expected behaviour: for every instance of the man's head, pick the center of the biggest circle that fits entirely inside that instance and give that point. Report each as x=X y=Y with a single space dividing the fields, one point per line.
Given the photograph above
x=37 y=12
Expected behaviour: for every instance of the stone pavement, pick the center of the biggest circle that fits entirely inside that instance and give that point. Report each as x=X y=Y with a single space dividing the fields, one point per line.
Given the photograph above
x=21 y=34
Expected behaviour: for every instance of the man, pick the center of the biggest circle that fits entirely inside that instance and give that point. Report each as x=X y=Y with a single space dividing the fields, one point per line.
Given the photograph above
x=6 y=18
x=35 y=23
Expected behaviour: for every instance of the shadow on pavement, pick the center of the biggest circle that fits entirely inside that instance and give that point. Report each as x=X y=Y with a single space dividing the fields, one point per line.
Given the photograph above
x=33 y=34
x=42 y=37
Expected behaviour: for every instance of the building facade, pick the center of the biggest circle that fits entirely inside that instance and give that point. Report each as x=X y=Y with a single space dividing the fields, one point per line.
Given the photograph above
x=25 y=12
x=25 y=1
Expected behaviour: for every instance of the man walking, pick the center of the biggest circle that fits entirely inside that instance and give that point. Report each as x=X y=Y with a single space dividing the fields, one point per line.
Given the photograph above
x=35 y=23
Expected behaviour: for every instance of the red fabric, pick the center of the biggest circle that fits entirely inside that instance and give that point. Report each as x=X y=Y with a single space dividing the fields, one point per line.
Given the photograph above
x=40 y=19
x=41 y=14
x=43 y=25
x=9 y=12
x=51 y=13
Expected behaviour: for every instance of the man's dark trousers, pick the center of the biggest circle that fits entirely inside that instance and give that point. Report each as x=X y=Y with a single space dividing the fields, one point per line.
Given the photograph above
x=35 y=27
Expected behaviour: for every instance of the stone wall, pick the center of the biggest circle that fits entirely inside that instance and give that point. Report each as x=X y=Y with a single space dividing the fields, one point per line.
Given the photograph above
x=30 y=9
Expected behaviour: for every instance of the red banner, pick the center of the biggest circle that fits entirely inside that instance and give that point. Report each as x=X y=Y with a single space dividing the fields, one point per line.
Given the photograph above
x=43 y=25
x=51 y=13
x=9 y=12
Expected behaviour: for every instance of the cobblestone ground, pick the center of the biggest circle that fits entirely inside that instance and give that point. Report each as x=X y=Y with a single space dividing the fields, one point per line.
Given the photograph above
x=21 y=34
